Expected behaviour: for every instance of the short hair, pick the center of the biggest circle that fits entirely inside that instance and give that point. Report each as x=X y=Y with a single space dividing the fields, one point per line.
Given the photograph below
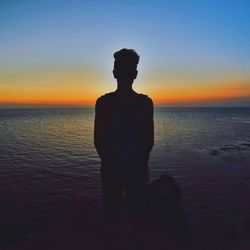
x=126 y=59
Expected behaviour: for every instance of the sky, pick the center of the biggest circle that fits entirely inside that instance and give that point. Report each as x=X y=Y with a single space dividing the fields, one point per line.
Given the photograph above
x=61 y=52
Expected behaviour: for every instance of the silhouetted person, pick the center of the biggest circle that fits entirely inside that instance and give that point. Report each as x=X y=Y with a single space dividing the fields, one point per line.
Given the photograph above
x=124 y=137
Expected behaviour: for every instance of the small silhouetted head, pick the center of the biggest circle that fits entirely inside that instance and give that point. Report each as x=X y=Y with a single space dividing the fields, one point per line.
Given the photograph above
x=125 y=65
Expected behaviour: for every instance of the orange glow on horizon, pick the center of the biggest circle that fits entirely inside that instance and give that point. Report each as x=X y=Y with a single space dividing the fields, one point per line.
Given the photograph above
x=200 y=95
x=77 y=88
x=159 y=98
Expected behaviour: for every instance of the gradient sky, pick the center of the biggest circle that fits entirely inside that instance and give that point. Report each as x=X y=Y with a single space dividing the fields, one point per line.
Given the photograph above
x=61 y=52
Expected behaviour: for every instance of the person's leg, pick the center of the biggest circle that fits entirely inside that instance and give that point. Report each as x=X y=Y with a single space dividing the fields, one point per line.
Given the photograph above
x=111 y=205
x=112 y=228
x=136 y=212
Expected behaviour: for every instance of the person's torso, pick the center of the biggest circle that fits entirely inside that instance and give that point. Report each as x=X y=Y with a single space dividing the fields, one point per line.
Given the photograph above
x=124 y=141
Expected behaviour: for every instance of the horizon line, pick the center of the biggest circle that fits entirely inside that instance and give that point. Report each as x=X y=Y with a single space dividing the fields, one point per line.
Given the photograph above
x=29 y=106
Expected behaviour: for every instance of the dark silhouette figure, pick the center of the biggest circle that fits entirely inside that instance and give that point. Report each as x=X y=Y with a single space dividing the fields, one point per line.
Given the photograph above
x=124 y=137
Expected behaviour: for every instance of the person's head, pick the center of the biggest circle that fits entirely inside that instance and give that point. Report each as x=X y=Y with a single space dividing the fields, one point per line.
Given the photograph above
x=125 y=65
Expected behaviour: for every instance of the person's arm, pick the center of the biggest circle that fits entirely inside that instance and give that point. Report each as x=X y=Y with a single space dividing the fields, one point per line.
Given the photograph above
x=100 y=127
x=148 y=126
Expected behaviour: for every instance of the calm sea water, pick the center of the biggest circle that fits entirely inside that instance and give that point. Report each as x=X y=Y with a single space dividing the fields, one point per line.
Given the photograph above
x=47 y=159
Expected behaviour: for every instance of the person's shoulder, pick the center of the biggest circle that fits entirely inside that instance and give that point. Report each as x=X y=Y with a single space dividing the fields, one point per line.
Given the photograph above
x=104 y=99
x=146 y=100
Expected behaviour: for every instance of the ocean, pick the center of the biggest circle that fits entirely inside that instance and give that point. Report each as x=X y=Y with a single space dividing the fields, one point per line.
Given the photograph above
x=47 y=159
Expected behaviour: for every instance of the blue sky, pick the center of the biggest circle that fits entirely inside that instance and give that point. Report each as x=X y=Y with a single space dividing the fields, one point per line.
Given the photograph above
x=208 y=38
